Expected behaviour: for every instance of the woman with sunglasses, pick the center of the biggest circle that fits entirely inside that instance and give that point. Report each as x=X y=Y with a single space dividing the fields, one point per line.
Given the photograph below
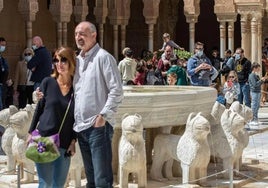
x=49 y=114
x=231 y=88
x=22 y=84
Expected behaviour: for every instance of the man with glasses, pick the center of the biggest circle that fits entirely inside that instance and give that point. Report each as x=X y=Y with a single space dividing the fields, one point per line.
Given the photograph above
x=243 y=69
x=199 y=67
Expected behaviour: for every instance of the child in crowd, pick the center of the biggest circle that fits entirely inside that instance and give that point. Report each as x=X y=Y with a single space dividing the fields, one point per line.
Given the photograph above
x=231 y=88
x=140 y=73
x=172 y=78
x=255 y=83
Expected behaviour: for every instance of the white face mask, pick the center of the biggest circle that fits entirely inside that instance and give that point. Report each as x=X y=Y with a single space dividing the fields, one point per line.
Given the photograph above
x=2 y=49
x=199 y=53
x=28 y=58
x=34 y=47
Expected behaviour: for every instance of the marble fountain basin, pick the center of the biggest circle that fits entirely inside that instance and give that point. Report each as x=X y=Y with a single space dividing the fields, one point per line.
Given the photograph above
x=162 y=106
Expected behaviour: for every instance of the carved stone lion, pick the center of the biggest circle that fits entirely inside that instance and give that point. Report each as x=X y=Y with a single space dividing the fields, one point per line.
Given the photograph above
x=191 y=149
x=232 y=124
x=8 y=136
x=243 y=137
x=132 y=156
x=20 y=122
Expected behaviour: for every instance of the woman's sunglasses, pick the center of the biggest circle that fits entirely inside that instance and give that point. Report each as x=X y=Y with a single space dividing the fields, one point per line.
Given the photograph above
x=230 y=76
x=27 y=54
x=63 y=60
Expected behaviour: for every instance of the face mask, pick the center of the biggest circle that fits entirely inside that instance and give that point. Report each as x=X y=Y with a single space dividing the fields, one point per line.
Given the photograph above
x=199 y=53
x=34 y=47
x=237 y=57
x=28 y=58
x=2 y=49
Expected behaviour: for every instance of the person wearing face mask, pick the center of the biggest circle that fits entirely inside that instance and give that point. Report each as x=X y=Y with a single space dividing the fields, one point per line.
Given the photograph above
x=243 y=68
x=199 y=67
x=41 y=63
x=22 y=84
x=3 y=73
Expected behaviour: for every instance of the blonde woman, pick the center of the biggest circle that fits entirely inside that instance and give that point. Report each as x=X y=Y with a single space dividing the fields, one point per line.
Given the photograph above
x=231 y=88
x=22 y=84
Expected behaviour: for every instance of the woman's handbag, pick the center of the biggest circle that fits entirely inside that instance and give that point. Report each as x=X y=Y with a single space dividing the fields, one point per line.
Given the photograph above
x=43 y=149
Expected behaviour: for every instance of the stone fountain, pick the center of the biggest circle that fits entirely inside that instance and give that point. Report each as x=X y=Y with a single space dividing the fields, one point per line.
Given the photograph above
x=161 y=107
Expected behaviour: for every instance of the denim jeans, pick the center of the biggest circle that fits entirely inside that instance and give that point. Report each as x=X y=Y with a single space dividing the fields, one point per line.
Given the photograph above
x=244 y=95
x=53 y=174
x=255 y=104
x=96 y=149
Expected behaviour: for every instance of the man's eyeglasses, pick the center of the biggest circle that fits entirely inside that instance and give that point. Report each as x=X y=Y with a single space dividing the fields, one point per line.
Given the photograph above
x=63 y=60
x=27 y=54
x=199 y=48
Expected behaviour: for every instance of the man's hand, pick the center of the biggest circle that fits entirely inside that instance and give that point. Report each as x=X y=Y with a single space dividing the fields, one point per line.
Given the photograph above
x=100 y=121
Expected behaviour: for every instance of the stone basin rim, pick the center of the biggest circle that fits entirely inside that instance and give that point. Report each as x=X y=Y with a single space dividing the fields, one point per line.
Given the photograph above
x=163 y=90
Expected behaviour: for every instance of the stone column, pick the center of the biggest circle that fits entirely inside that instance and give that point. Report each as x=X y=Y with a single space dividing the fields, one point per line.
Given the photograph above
x=191 y=12
x=115 y=31
x=28 y=10
x=61 y=11
x=192 y=20
x=80 y=10
x=222 y=38
x=101 y=34
x=123 y=37
x=191 y=36
x=101 y=12
x=245 y=37
x=64 y=33
x=260 y=39
x=254 y=40
x=29 y=32
x=151 y=37
x=256 y=33
x=151 y=13
x=1 y=5
x=231 y=35
x=59 y=34
x=119 y=15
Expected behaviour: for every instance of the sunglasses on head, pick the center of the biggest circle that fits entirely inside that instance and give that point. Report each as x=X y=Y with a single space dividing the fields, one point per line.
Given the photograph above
x=63 y=60
x=27 y=54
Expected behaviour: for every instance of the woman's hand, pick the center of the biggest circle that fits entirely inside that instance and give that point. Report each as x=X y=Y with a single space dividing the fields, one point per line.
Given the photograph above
x=29 y=137
x=71 y=149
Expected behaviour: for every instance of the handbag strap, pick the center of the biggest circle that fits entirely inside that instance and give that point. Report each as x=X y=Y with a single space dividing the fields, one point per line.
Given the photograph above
x=64 y=117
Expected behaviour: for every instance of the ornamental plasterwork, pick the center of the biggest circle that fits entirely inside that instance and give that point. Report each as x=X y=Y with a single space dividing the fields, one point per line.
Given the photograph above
x=191 y=7
x=61 y=10
x=224 y=6
x=28 y=9
x=251 y=11
x=80 y=10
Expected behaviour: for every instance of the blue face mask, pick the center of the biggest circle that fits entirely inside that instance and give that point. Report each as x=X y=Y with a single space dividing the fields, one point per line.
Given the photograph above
x=237 y=56
x=199 y=53
x=2 y=49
